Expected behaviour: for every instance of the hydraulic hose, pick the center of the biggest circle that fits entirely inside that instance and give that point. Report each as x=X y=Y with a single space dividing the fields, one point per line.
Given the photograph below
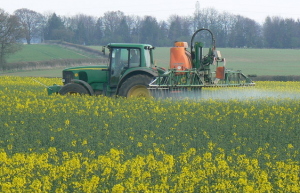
x=203 y=29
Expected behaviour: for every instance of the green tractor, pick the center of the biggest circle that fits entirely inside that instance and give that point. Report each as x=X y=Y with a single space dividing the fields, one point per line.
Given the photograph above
x=128 y=74
x=131 y=72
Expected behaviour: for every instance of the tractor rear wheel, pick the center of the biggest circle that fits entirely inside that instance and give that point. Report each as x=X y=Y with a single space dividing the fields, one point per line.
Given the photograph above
x=73 y=88
x=136 y=86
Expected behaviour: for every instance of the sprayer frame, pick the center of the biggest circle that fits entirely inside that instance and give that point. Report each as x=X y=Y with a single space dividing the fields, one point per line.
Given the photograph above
x=201 y=70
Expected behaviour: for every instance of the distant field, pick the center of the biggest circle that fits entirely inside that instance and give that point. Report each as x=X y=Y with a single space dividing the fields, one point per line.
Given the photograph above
x=40 y=52
x=251 y=61
x=264 y=61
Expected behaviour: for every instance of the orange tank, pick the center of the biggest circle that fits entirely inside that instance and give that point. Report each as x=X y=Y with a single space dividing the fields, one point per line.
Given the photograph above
x=179 y=57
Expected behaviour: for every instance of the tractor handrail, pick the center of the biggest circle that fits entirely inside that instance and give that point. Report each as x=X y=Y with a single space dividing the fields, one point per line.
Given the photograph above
x=212 y=38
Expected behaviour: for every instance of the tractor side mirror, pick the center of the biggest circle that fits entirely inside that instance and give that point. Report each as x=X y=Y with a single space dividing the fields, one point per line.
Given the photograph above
x=103 y=50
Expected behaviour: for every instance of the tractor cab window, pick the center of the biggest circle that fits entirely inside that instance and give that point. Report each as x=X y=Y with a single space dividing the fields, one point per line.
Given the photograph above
x=119 y=59
x=119 y=62
x=148 y=57
x=134 y=58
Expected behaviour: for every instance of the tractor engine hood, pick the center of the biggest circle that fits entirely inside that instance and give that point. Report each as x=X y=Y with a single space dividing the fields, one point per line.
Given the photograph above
x=79 y=68
x=85 y=73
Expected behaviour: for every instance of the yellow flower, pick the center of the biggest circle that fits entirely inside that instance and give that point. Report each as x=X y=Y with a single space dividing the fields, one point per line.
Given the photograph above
x=118 y=188
x=290 y=146
x=83 y=143
x=74 y=143
x=9 y=146
x=67 y=122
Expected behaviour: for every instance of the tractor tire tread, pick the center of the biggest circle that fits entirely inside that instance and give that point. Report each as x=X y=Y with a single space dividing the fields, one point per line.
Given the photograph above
x=140 y=79
x=72 y=88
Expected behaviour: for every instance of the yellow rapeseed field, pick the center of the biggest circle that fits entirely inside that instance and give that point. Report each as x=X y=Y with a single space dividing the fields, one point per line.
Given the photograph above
x=233 y=140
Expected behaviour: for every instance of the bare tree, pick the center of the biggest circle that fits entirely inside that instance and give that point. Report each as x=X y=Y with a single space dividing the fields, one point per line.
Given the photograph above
x=163 y=34
x=31 y=22
x=180 y=28
x=84 y=27
x=99 y=31
x=245 y=33
x=175 y=30
x=226 y=22
x=134 y=23
x=10 y=34
x=208 y=19
x=111 y=21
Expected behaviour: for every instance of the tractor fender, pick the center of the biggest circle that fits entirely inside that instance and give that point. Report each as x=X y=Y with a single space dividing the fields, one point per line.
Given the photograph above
x=135 y=72
x=85 y=84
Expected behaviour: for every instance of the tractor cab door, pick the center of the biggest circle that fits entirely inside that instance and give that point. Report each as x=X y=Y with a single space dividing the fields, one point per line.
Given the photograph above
x=118 y=63
x=120 y=60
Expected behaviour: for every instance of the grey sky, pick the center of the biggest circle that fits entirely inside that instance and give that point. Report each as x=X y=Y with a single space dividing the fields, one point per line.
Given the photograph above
x=254 y=9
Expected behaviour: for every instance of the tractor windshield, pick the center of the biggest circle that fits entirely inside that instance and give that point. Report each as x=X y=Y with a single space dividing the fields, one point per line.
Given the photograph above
x=147 y=58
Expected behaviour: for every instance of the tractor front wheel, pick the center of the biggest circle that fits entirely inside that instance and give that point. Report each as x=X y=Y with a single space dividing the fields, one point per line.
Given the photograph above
x=73 y=88
x=136 y=86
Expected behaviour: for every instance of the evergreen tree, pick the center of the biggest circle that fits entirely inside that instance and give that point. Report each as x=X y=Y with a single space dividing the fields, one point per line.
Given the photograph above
x=55 y=29
x=149 y=30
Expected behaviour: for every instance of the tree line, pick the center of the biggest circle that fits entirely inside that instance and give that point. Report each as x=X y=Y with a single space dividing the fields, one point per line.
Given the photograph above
x=114 y=26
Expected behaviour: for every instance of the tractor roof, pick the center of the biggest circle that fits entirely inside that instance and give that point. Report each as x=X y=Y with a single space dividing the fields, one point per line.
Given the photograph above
x=129 y=45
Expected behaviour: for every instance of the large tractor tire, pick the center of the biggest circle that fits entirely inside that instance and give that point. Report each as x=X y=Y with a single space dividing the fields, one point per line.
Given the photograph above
x=73 y=88
x=136 y=86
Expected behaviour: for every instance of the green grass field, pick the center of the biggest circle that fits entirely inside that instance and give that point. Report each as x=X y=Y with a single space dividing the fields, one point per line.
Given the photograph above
x=39 y=52
x=251 y=61
x=264 y=61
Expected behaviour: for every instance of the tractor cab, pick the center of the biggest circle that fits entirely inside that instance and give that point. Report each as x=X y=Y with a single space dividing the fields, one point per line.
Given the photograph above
x=128 y=73
x=124 y=57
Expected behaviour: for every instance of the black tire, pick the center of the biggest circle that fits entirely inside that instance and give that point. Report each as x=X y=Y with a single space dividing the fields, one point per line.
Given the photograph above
x=136 y=86
x=73 y=88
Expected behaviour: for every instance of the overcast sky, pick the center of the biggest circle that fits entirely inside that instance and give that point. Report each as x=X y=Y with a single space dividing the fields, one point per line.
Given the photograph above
x=161 y=9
